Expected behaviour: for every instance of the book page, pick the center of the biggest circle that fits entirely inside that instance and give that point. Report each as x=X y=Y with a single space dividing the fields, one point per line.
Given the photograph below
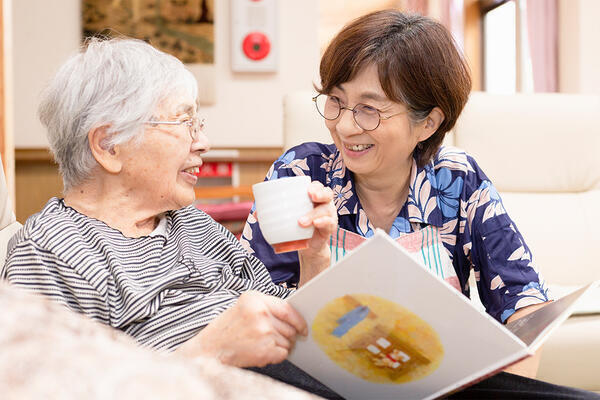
x=382 y=326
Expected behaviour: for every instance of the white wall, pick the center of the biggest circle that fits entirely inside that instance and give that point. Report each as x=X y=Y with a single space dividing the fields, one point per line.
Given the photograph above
x=44 y=35
x=248 y=107
x=579 y=46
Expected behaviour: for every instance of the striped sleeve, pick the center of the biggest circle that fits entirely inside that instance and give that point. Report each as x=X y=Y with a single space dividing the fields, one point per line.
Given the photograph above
x=253 y=270
x=37 y=270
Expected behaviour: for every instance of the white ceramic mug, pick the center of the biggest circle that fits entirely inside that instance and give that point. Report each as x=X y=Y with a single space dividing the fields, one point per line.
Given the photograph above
x=279 y=205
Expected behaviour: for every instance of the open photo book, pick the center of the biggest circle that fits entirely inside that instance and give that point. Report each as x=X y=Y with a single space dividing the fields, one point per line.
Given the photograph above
x=381 y=326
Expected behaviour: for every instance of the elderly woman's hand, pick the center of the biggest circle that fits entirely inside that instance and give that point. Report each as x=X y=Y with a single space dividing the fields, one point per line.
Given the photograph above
x=323 y=217
x=258 y=330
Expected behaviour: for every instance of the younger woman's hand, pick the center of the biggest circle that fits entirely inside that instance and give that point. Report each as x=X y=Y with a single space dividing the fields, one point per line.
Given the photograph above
x=324 y=219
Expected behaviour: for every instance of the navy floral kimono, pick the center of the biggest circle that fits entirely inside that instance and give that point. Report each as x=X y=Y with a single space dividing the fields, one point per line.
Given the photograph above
x=450 y=196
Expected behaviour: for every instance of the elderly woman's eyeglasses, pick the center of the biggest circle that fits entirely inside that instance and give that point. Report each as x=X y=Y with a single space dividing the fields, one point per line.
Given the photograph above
x=366 y=117
x=195 y=125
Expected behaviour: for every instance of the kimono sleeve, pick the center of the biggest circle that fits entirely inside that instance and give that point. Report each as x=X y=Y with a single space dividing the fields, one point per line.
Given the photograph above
x=507 y=278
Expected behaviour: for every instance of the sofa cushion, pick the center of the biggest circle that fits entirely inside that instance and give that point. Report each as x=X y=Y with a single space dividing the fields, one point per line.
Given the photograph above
x=562 y=231
x=50 y=352
x=570 y=355
x=534 y=142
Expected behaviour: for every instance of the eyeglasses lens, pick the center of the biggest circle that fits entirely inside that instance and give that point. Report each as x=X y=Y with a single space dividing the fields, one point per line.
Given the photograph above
x=196 y=125
x=365 y=116
x=328 y=107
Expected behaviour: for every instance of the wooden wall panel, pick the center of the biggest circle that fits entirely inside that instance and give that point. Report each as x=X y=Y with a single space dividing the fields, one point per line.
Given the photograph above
x=474 y=41
x=36 y=180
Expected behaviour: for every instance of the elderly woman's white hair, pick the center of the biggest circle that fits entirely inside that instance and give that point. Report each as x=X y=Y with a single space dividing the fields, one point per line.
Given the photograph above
x=116 y=83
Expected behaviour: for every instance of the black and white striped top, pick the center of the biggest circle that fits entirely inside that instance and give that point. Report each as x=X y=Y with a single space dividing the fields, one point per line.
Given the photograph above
x=161 y=289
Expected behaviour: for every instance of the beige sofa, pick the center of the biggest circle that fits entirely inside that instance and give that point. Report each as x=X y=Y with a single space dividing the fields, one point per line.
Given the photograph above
x=51 y=353
x=542 y=152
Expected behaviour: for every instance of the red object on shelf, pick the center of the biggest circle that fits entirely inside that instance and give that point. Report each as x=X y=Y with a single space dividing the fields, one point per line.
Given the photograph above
x=256 y=46
x=216 y=169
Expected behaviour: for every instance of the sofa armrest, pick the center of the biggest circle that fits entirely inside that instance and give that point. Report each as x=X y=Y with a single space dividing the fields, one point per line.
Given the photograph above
x=5 y=235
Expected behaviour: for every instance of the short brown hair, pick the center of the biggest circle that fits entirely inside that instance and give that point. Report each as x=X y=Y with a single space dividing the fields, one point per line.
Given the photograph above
x=418 y=62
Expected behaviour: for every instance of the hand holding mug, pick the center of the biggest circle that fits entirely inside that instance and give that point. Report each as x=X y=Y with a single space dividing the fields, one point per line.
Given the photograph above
x=323 y=218
x=296 y=214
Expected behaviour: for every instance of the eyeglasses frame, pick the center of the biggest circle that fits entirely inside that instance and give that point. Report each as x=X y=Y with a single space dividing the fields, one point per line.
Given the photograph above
x=194 y=133
x=341 y=107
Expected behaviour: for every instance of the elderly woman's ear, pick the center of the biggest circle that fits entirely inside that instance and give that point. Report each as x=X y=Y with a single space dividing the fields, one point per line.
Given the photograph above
x=431 y=124
x=105 y=154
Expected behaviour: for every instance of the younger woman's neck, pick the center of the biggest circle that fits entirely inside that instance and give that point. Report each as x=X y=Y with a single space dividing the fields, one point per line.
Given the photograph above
x=388 y=187
x=382 y=199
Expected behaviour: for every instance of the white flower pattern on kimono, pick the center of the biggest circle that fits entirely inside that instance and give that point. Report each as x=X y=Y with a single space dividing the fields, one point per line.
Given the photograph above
x=532 y=293
x=448 y=234
x=342 y=195
x=520 y=254
x=497 y=283
x=271 y=173
x=495 y=207
x=453 y=159
x=420 y=203
x=364 y=225
x=334 y=167
x=246 y=237
x=288 y=161
x=298 y=167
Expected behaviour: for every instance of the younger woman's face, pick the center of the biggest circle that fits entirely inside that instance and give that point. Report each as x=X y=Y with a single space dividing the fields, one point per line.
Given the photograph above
x=375 y=154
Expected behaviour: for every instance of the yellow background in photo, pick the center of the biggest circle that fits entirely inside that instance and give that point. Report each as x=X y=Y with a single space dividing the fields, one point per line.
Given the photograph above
x=390 y=345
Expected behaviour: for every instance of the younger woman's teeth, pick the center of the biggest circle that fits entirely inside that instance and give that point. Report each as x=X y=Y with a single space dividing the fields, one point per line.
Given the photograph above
x=192 y=170
x=359 y=147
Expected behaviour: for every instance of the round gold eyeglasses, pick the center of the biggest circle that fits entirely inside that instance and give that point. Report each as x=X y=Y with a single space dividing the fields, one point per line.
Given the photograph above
x=366 y=117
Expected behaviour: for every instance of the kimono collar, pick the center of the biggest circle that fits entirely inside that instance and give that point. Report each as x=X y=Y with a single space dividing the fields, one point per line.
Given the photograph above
x=422 y=202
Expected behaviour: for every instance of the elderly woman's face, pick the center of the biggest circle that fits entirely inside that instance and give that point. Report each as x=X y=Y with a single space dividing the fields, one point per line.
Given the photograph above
x=380 y=152
x=163 y=165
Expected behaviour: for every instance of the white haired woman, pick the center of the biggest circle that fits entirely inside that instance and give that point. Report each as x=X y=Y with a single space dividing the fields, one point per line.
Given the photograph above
x=124 y=246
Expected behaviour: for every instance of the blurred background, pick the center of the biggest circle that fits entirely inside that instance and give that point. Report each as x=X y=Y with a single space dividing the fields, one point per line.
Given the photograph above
x=248 y=54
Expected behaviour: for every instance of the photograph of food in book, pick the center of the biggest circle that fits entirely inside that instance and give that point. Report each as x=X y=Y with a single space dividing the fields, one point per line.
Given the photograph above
x=383 y=326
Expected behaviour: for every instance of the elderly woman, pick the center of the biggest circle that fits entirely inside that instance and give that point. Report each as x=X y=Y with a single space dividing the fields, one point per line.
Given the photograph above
x=124 y=246
x=392 y=85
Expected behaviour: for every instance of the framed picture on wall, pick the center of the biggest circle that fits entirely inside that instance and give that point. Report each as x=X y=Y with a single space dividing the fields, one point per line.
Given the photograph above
x=184 y=29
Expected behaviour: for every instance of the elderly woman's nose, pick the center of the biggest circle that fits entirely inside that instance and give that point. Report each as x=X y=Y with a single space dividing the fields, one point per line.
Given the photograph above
x=346 y=124
x=201 y=143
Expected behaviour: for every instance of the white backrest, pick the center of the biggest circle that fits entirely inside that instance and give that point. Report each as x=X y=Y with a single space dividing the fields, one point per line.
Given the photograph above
x=542 y=151
x=534 y=142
